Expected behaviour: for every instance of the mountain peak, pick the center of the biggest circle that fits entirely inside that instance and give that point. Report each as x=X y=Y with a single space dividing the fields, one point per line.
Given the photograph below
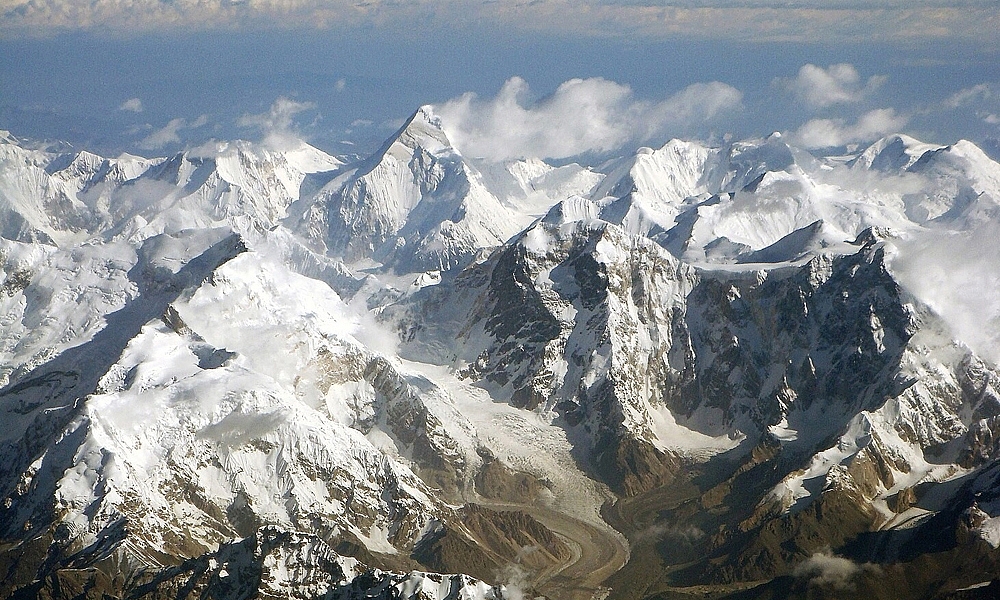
x=891 y=153
x=423 y=129
x=970 y=150
x=415 y=205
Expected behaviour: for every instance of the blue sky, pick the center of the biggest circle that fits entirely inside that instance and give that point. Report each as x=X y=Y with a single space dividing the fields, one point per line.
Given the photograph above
x=549 y=77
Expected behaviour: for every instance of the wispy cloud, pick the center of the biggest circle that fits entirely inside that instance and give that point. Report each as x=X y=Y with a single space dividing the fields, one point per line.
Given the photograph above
x=802 y=20
x=970 y=95
x=277 y=123
x=826 y=570
x=582 y=115
x=131 y=105
x=829 y=133
x=170 y=133
x=981 y=100
x=837 y=84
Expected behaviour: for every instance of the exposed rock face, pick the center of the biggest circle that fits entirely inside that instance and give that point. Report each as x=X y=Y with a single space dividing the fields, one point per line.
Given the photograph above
x=138 y=502
x=982 y=443
x=270 y=563
x=580 y=319
x=824 y=365
x=604 y=328
x=497 y=481
x=489 y=541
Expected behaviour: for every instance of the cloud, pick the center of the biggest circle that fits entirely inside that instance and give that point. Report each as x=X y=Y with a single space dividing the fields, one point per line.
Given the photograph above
x=132 y=105
x=837 y=84
x=662 y=532
x=170 y=133
x=976 y=93
x=582 y=115
x=515 y=579
x=957 y=274
x=277 y=123
x=371 y=332
x=826 y=570
x=828 y=133
x=981 y=101
x=164 y=136
x=811 y=21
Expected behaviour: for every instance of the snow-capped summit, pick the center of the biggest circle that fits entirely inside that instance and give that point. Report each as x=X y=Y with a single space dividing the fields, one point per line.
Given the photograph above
x=71 y=197
x=958 y=183
x=643 y=192
x=531 y=186
x=423 y=129
x=741 y=164
x=717 y=204
x=894 y=153
x=667 y=175
x=414 y=205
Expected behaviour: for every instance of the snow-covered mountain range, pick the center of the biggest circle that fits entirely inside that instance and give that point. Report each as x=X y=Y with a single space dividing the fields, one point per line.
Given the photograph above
x=739 y=371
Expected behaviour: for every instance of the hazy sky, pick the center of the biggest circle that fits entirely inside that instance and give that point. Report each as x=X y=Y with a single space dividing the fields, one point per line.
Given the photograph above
x=547 y=77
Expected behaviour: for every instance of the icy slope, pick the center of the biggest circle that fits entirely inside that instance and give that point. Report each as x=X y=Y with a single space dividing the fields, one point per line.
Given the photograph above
x=714 y=204
x=237 y=185
x=893 y=153
x=227 y=394
x=149 y=429
x=643 y=193
x=42 y=195
x=176 y=378
x=52 y=299
x=532 y=186
x=963 y=187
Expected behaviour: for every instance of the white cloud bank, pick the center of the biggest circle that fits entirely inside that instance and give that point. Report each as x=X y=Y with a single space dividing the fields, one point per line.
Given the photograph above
x=829 y=133
x=957 y=274
x=582 y=115
x=843 y=21
x=837 y=84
